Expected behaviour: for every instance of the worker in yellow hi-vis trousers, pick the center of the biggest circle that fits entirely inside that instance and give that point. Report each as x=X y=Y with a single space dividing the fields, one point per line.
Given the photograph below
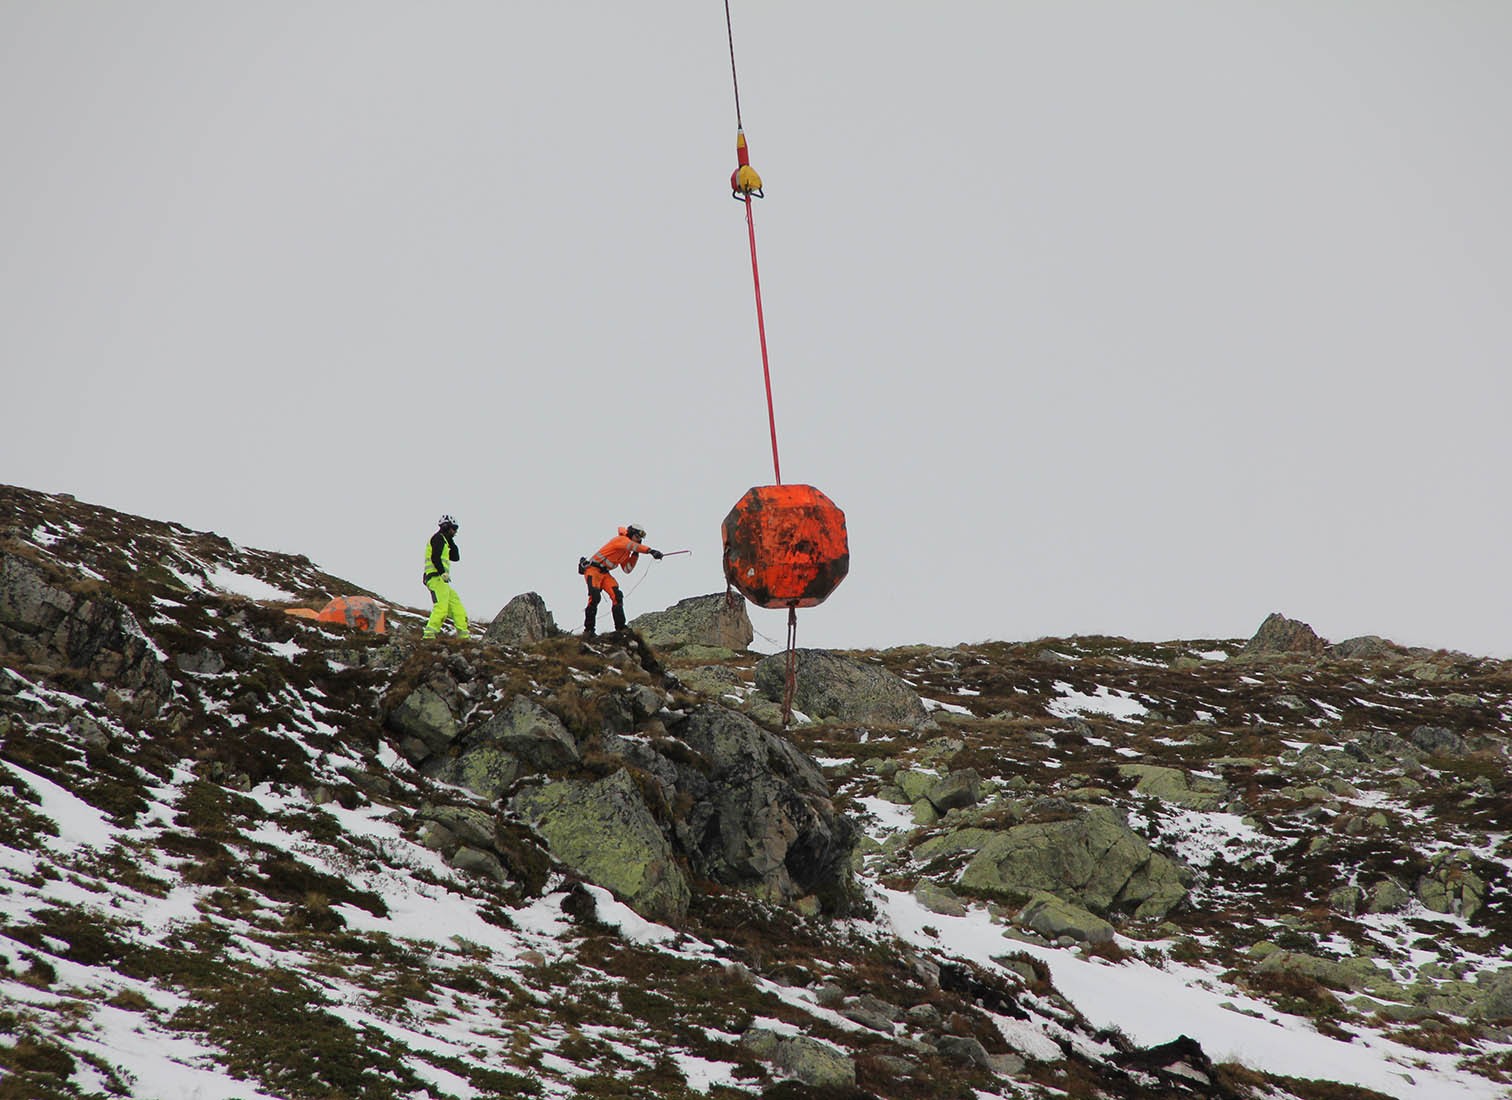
x=440 y=552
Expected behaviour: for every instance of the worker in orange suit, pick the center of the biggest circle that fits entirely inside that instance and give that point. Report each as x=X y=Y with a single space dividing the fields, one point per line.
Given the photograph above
x=624 y=550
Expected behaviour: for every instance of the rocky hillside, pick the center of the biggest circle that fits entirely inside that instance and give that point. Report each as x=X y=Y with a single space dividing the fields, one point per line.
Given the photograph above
x=249 y=855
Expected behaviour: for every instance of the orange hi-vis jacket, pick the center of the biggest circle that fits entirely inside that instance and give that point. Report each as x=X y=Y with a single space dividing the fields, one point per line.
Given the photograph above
x=621 y=550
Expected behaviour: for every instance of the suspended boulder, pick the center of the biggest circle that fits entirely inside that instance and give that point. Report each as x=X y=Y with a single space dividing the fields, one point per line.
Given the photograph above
x=785 y=546
x=358 y=612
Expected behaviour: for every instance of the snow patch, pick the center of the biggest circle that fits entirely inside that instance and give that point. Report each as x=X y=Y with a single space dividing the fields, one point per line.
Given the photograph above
x=239 y=584
x=1105 y=701
x=80 y=825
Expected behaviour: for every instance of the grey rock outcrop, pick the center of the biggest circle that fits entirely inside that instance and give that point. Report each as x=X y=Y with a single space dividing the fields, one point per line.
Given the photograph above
x=760 y=816
x=523 y=621
x=1093 y=860
x=830 y=687
x=1438 y=740
x=1278 y=634
x=712 y=621
x=733 y=802
x=45 y=623
x=871 y=1012
x=957 y=790
x=964 y=1048
x=1365 y=647
x=605 y=832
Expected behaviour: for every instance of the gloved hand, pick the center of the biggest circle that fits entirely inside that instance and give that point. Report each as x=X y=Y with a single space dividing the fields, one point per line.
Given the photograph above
x=657 y=554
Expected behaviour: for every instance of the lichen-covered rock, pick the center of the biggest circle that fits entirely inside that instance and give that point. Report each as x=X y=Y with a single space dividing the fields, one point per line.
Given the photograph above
x=829 y=687
x=714 y=681
x=1093 y=860
x=815 y=1063
x=426 y=721
x=1451 y=886
x=1053 y=917
x=1388 y=896
x=523 y=621
x=968 y=839
x=1351 y=974
x=530 y=732
x=914 y=784
x=939 y=899
x=1346 y=899
x=605 y=832
x=1193 y=792
x=712 y=621
x=760 y=1042
x=486 y=770
x=1493 y=995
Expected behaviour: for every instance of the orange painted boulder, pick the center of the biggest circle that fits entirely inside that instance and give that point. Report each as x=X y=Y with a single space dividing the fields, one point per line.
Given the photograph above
x=785 y=546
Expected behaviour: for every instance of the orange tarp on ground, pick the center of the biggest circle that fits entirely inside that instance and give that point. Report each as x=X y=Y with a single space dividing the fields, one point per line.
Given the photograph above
x=358 y=612
x=785 y=546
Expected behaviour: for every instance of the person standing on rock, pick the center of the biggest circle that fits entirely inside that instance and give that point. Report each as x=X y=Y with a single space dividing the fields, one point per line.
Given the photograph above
x=624 y=550
x=440 y=552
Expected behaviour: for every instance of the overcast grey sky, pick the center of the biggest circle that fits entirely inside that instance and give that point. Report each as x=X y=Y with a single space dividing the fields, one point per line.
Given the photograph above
x=1142 y=319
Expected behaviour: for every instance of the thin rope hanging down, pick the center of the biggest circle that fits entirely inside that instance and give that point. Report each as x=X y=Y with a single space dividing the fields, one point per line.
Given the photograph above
x=745 y=184
x=792 y=667
x=766 y=371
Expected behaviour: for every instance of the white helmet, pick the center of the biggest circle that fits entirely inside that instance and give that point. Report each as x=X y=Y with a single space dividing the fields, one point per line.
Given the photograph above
x=446 y=521
x=635 y=531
